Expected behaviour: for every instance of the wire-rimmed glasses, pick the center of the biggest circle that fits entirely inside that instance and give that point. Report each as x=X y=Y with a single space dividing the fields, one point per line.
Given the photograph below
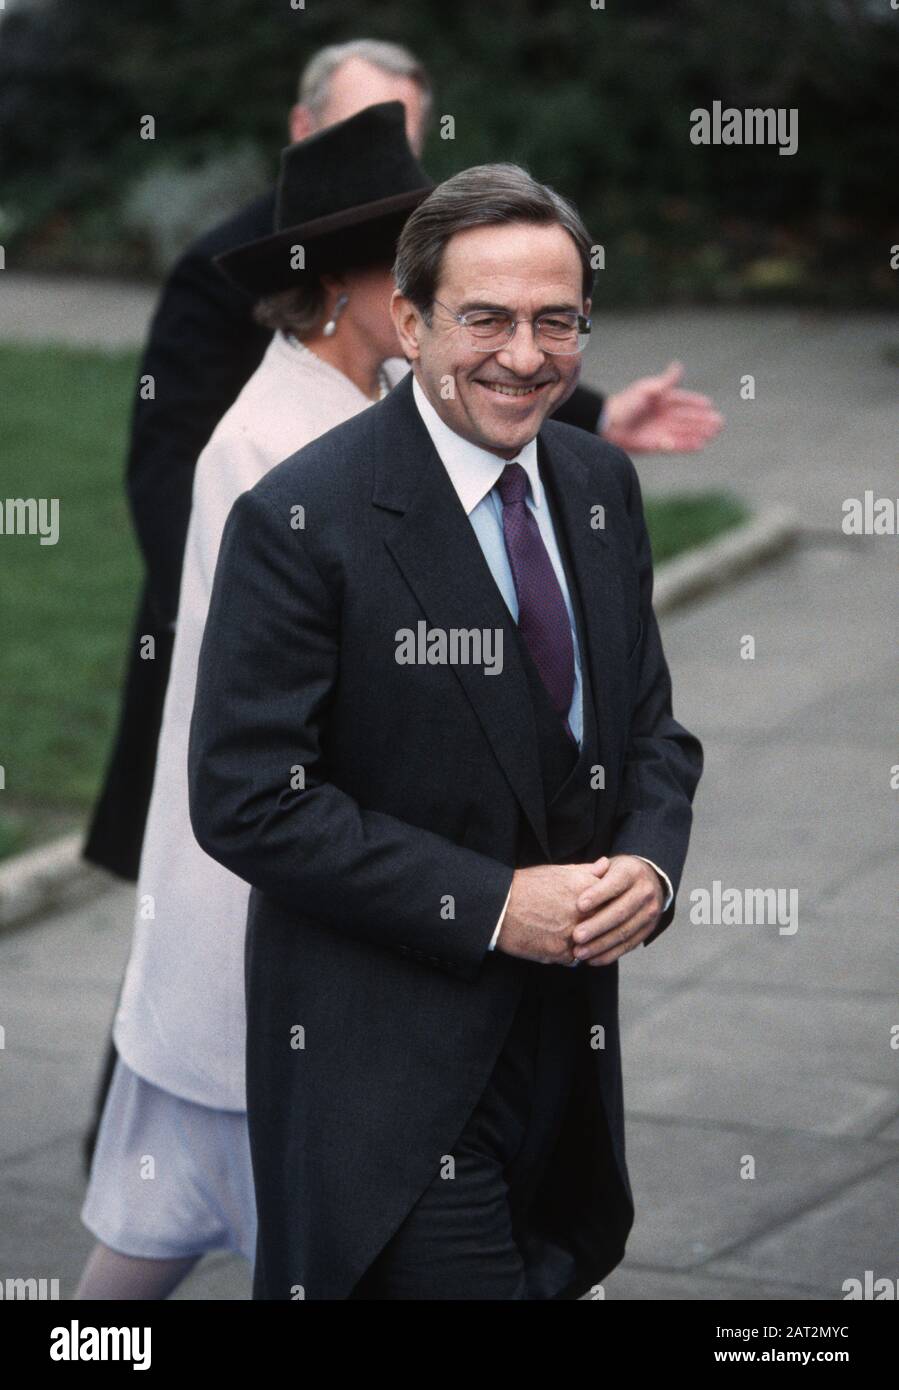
x=488 y=329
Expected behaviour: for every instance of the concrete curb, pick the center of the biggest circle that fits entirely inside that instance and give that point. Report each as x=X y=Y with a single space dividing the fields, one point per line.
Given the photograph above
x=50 y=876
x=714 y=565
x=55 y=875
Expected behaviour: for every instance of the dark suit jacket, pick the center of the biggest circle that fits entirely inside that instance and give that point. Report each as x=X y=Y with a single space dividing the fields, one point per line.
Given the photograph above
x=416 y=782
x=203 y=347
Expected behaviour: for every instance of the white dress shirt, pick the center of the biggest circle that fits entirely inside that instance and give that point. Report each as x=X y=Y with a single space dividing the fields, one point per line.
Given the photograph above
x=474 y=473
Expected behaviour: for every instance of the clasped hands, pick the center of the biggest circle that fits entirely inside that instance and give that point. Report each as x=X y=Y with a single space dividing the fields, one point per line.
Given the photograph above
x=561 y=913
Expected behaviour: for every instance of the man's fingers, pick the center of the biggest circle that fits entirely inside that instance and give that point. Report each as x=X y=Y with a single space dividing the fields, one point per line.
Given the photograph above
x=674 y=437
x=615 y=879
x=670 y=376
x=686 y=410
x=604 y=955
x=690 y=398
x=687 y=436
x=613 y=917
x=614 y=944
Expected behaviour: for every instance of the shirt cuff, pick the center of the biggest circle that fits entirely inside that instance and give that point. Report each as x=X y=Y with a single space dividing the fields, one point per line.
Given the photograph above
x=500 y=922
x=662 y=875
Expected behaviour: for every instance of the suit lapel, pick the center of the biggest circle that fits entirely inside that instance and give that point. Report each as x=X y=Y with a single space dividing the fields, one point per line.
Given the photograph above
x=437 y=552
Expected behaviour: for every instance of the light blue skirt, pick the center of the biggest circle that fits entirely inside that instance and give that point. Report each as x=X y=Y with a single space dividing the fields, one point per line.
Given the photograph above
x=169 y=1178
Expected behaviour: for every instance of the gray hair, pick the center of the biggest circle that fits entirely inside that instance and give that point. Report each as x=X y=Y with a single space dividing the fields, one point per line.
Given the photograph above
x=486 y=196
x=315 y=79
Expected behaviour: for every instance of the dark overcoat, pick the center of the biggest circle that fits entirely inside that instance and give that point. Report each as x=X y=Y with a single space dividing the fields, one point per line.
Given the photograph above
x=377 y=810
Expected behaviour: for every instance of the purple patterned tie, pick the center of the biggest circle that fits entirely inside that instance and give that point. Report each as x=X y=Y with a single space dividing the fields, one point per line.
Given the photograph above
x=542 y=615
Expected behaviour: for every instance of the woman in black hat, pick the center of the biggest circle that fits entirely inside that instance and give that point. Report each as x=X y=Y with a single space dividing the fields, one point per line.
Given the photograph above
x=171 y=1177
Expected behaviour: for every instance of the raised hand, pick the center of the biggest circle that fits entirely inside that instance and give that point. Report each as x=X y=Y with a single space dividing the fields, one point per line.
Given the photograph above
x=653 y=415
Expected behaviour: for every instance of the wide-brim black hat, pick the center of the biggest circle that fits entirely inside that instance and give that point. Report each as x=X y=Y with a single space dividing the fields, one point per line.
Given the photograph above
x=343 y=196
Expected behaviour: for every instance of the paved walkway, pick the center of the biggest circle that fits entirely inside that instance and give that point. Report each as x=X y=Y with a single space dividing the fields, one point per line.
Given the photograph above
x=745 y=1049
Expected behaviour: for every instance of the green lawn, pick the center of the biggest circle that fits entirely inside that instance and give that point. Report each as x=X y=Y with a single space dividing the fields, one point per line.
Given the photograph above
x=65 y=609
x=691 y=518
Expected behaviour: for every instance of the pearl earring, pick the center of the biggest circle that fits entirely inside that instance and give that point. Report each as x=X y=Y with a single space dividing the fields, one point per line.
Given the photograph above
x=330 y=327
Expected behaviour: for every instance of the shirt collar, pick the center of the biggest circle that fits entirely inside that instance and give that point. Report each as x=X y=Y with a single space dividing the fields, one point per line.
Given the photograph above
x=473 y=471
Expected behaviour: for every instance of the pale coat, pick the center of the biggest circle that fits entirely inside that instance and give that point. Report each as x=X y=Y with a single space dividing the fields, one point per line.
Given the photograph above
x=181 y=1022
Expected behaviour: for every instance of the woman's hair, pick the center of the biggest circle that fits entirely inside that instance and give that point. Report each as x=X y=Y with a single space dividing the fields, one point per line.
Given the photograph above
x=297 y=310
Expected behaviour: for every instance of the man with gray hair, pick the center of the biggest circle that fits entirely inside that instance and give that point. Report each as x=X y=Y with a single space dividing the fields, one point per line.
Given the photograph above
x=330 y=83
x=434 y=1094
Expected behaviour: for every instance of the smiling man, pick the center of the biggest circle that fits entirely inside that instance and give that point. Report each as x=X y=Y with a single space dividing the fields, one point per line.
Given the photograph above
x=495 y=280
x=434 y=1093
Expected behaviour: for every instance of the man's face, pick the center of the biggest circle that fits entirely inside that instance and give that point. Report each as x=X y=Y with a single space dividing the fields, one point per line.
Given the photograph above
x=526 y=269
x=355 y=85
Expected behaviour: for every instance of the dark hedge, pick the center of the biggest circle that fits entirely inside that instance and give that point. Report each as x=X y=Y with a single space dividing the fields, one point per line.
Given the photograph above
x=595 y=101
